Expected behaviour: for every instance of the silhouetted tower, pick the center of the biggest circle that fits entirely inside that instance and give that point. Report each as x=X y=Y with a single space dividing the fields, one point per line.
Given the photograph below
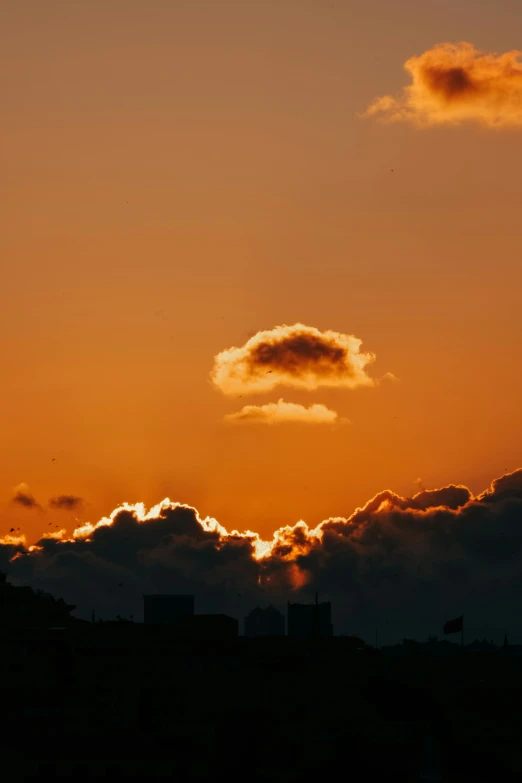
x=264 y=622
x=316 y=628
x=310 y=620
x=161 y=609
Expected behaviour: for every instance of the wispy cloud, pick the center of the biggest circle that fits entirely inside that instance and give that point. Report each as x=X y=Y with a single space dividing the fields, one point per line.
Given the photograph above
x=66 y=502
x=281 y=411
x=23 y=496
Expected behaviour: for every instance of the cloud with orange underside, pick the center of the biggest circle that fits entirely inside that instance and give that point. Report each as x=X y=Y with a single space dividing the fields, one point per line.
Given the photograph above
x=456 y=83
x=298 y=356
x=280 y=412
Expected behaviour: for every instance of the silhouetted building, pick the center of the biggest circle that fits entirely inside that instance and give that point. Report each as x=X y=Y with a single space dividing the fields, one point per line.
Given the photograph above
x=23 y=607
x=308 y=620
x=205 y=627
x=160 y=609
x=264 y=622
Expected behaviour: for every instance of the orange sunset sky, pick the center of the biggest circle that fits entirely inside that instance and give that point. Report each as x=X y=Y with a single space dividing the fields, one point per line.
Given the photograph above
x=177 y=177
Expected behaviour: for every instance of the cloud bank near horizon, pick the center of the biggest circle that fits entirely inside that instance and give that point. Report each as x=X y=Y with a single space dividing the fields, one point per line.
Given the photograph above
x=409 y=560
x=457 y=83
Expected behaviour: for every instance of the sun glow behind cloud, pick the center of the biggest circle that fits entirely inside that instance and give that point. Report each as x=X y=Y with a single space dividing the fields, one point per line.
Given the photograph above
x=393 y=551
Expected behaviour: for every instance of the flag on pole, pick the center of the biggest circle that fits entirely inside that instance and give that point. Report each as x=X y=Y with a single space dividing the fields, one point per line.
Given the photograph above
x=454 y=626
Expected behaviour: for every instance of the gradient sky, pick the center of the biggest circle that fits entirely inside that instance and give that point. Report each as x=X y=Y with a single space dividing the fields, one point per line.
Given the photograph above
x=177 y=176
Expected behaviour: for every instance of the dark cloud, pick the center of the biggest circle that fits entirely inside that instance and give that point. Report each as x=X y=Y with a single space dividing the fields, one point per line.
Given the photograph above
x=66 y=502
x=24 y=497
x=450 y=83
x=295 y=354
x=404 y=563
x=453 y=83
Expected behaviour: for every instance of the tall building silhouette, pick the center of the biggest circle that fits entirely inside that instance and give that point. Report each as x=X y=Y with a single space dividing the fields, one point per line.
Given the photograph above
x=265 y=622
x=161 y=609
x=309 y=620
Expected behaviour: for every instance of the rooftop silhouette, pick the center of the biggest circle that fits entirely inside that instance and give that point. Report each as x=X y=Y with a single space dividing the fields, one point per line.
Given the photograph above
x=310 y=620
x=266 y=621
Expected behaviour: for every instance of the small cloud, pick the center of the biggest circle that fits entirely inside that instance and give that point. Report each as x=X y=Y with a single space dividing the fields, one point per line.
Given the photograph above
x=455 y=83
x=298 y=356
x=389 y=376
x=281 y=411
x=67 y=502
x=9 y=540
x=23 y=497
x=57 y=535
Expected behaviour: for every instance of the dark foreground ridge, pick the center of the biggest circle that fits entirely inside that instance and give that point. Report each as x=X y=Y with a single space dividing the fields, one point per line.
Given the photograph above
x=192 y=700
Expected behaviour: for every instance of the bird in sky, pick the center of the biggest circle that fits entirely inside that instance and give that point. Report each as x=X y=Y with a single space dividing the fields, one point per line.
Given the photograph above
x=53 y=460
x=121 y=584
x=50 y=523
x=268 y=372
x=12 y=530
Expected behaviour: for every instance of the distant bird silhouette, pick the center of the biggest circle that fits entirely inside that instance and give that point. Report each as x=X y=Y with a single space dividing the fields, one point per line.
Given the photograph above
x=12 y=530
x=50 y=523
x=18 y=528
x=121 y=584
x=53 y=459
x=268 y=372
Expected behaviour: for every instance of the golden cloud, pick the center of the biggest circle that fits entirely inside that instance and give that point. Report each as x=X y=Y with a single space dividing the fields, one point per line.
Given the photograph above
x=299 y=356
x=58 y=534
x=281 y=411
x=9 y=540
x=455 y=83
